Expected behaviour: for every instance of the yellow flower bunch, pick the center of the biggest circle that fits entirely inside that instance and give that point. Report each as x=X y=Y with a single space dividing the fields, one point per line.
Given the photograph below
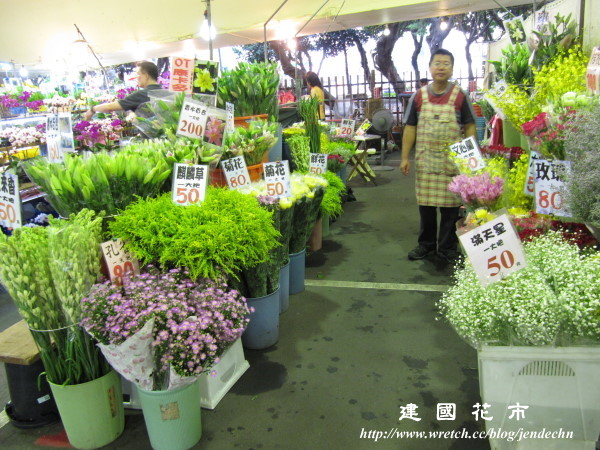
x=565 y=73
x=516 y=104
x=513 y=195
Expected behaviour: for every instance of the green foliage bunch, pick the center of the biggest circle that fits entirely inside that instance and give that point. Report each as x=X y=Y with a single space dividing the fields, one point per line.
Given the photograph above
x=227 y=231
x=103 y=182
x=309 y=110
x=47 y=272
x=332 y=199
x=180 y=150
x=252 y=142
x=583 y=150
x=513 y=67
x=300 y=151
x=251 y=87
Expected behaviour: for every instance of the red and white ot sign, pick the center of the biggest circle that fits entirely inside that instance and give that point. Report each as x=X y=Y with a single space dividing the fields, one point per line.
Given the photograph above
x=182 y=74
x=119 y=261
x=593 y=72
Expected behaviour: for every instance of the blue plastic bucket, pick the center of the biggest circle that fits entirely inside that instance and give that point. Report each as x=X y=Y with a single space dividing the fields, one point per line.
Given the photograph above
x=284 y=288
x=297 y=262
x=263 y=329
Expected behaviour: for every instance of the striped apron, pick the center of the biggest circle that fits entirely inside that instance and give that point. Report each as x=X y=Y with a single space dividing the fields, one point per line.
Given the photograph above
x=436 y=130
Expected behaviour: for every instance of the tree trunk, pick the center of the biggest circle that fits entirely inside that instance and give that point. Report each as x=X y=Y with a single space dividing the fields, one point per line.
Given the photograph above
x=418 y=41
x=469 y=59
x=436 y=35
x=348 y=81
x=382 y=56
x=364 y=62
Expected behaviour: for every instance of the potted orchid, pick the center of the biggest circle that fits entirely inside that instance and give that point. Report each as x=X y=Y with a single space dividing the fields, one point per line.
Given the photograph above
x=97 y=135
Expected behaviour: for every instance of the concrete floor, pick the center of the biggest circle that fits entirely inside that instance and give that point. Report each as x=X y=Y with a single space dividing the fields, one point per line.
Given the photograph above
x=351 y=352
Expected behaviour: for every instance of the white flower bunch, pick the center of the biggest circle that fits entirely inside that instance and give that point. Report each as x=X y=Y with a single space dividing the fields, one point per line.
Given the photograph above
x=554 y=300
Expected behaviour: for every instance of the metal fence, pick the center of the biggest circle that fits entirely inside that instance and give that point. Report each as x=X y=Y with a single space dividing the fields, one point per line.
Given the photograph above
x=351 y=97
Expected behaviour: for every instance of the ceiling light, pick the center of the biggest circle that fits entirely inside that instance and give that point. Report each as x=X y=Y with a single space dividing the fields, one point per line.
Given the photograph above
x=23 y=72
x=444 y=24
x=204 y=29
x=292 y=44
x=386 y=31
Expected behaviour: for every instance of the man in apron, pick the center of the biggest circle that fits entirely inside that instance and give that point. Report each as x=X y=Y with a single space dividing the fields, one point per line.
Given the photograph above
x=433 y=120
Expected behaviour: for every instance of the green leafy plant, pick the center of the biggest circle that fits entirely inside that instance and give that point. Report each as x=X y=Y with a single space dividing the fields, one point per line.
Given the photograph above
x=102 y=182
x=252 y=142
x=47 y=272
x=251 y=87
x=513 y=67
x=300 y=150
x=332 y=199
x=309 y=110
x=227 y=231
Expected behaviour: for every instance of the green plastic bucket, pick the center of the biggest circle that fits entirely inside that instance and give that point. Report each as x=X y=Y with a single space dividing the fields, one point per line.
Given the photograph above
x=172 y=417
x=92 y=413
x=510 y=135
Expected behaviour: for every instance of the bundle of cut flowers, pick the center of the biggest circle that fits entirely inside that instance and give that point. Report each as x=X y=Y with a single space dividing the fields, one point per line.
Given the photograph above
x=477 y=191
x=252 y=142
x=59 y=104
x=47 y=271
x=97 y=135
x=533 y=225
x=31 y=100
x=555 y=300
x=161 y=330
x=22 y=136
x=103 y=182
x=263 y=278
x=307 y=193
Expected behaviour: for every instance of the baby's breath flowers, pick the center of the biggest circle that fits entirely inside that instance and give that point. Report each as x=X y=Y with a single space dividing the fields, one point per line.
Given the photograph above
x=553 y=301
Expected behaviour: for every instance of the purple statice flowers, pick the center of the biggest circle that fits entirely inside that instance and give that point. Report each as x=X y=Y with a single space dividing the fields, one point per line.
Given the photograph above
x=478 y=190
x=195 y=321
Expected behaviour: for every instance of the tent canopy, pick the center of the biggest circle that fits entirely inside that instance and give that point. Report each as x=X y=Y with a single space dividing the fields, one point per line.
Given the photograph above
x=41 y=32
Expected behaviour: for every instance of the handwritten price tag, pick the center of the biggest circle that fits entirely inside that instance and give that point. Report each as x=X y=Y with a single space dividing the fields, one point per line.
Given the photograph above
x=468 y=150
x=529 y=188
x=277 y=177
x=119 y=261
x=10 y=201
x=192 y=120
x=189 y=184
x=593 y=72
x=230 y=122
x=494 y=250
x=347 y=128
x=236 y=172
x=55 y=153
x=550 y=187
x=318 y=163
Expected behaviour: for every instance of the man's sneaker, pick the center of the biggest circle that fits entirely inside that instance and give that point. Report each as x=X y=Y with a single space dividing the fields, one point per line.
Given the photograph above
x=420 y=253
x=450 y=256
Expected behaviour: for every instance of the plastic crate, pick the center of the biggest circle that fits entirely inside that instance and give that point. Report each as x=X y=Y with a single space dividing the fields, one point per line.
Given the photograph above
x=212 y=388
x=559 y=385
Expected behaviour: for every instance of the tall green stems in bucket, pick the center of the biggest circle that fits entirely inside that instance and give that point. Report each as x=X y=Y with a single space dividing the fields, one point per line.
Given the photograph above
x=309 y=110
x=47 y=271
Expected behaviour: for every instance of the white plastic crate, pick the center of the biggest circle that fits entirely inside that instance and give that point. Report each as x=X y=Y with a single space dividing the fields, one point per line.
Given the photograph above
x=212 y=388
x=559 y=385
x=229 y=369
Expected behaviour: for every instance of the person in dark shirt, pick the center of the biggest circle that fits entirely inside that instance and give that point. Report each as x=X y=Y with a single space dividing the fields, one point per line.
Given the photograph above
x=147 y=74
x=437 y=115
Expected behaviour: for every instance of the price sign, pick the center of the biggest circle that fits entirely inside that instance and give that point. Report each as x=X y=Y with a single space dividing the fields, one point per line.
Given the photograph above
x=236 y=172
x=529 y=188
x=53 y=138
x=119 y=261
x=192 y=120
x=593 y=72
x=318 y=163
x=189 y=183
x=363 y=127
x=550 y=187
x=10 y=201
x=277 y=177
x=65 y=127
x=182 y=74
x=347 y=128
x=230 y=123
x=494 y=249
x=468 y=150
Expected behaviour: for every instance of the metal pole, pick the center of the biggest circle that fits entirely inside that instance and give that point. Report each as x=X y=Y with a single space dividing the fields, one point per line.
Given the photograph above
x=265 y=28
x=209 y=18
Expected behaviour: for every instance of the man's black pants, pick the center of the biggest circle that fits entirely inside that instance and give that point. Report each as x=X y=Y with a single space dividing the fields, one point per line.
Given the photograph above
x=428 y=234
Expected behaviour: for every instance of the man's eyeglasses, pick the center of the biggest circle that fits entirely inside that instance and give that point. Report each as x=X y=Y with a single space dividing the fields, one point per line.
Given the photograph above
x=441 y=64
